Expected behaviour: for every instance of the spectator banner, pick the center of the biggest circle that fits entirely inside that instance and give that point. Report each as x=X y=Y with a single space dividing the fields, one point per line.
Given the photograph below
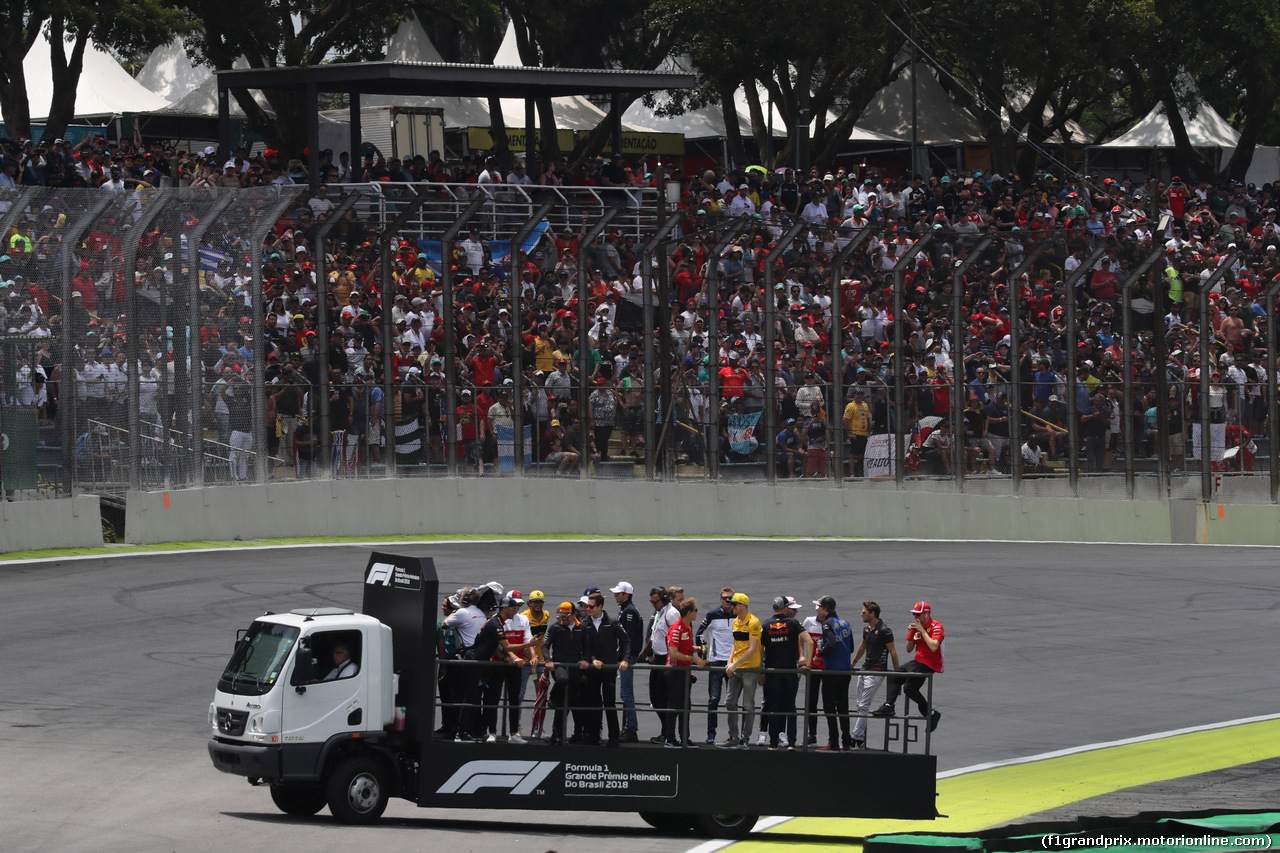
x=742 y=429
x=1217 y=442
x=210 y=258
x=878 y=460
x=409 y=435
x=507 y=448
x=18 y=440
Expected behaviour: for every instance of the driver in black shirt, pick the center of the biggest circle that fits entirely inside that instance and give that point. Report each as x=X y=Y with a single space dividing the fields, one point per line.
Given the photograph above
x=785 y=646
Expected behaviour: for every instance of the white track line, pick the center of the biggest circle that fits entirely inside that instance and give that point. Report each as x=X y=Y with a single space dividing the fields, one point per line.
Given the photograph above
x=769 y=822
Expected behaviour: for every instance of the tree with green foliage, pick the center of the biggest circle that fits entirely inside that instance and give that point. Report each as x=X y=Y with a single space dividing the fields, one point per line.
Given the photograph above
x=126 y=26
x=819 y=62
x=289 y=33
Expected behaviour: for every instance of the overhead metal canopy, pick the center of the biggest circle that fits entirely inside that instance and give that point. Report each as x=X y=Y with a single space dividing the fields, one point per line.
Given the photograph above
x=432 y=78
x=454 y=80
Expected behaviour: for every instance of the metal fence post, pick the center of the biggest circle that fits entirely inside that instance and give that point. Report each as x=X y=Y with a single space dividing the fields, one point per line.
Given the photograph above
x=1273 y=404
x=129 y=254
x=770 y=359
x=584 y=343
x=322 y=329
x=387 y=295
x=899 y=389
x=1130 y=446
x=67 y=408
x=841 y=258
x=258 y=408
x=196 y=376
x=650 y=324
x=712 y=287
x=516 y=286
x=958 y=373
x=1073 y=339
x=1206 y=332
x=450 y=354
x=1015 y=363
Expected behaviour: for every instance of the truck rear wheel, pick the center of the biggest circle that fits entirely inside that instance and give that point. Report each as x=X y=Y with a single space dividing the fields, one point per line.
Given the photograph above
x=668 y=822
x=298 y=799
x=725 y=825
x=358 y=791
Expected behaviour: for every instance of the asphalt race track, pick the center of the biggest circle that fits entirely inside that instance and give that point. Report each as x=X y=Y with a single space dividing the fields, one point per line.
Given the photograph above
x=110 y=665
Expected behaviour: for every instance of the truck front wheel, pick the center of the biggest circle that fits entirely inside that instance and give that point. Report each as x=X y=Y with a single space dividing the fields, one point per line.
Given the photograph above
x=358 y=791
x=298 y=799
x=735 y=826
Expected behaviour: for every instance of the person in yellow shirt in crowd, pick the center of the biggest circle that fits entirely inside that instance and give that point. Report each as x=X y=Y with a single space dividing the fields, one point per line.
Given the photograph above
x=857 y=424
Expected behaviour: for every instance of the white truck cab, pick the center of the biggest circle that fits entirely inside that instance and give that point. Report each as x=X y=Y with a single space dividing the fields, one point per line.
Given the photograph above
x=299 y=688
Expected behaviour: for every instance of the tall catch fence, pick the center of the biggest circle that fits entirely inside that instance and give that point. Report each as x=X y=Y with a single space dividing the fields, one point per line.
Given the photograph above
x=177 y=338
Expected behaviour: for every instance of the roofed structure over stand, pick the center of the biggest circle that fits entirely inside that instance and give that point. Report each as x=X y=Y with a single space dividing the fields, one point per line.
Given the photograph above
x=431 y=78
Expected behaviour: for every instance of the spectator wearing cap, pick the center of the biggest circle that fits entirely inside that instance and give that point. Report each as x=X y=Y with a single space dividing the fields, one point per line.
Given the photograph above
x=789 y=451
x=924 y=637
x=562 y=650
x=633 y=624
x=743 y=672
x=556 y=454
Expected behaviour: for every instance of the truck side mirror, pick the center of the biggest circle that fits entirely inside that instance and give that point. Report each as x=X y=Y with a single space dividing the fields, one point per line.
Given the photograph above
x=304 y=666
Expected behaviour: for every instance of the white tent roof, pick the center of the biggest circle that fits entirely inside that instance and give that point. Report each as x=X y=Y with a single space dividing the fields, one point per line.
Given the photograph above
x=410 y=43
x=939 y=121
x=1206 y=130
x=203 y=99
x=105 y=88
x=170 y=73
x=572 y=113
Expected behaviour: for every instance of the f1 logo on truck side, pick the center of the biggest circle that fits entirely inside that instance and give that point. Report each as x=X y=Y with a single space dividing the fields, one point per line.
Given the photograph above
x=387 y=574
x=520 y=777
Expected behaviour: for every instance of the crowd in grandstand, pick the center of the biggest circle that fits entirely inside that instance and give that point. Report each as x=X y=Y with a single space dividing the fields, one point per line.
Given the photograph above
x=717 y=311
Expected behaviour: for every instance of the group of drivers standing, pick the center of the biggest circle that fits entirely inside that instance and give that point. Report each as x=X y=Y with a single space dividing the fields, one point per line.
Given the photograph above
x=580 y=658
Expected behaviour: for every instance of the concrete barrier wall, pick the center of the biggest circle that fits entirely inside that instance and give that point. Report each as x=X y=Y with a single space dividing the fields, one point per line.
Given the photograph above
x=489 y=506
x=61 y=523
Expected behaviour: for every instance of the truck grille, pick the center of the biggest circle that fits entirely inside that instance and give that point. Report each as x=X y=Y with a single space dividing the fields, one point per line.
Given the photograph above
x=232 y=722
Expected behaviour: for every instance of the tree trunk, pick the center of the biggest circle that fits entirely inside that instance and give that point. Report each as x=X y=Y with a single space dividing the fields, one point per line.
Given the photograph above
x=1254 y=110
x=498 y=131
x=13 y=88
x=602 y=133
x=550 y=141
x=733 y=133
x=1184 y=155
x=65 y=72
x=759 y=121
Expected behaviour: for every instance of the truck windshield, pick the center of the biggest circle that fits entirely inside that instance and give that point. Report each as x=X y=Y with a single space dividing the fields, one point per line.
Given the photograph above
x=258 y=659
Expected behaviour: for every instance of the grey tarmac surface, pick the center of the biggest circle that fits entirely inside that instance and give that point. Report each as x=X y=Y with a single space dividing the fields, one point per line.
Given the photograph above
x=111 y=663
